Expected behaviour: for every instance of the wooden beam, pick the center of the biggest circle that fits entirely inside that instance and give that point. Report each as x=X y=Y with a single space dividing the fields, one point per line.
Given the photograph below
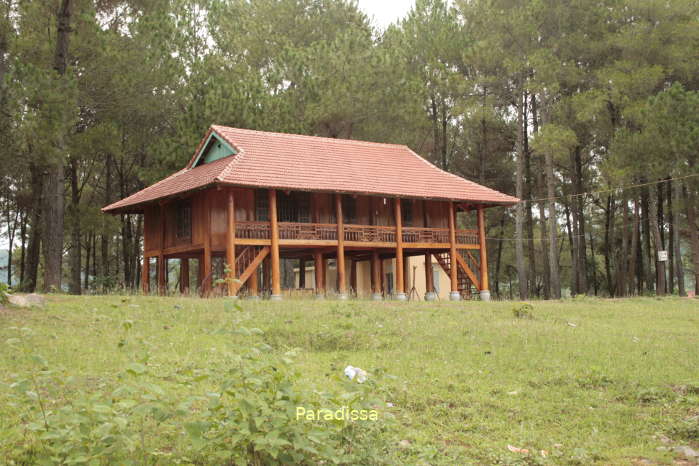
x=453 y=272
x=484 y=253
x=274 y=232
x=230 y=245
x=341 y=283
x=400 y=280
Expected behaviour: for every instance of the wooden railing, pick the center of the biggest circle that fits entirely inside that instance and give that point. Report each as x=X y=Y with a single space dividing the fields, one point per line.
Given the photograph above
x=358 y=233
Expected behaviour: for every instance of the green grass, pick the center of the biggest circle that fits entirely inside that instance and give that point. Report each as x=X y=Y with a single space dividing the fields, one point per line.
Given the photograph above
x=587 y=381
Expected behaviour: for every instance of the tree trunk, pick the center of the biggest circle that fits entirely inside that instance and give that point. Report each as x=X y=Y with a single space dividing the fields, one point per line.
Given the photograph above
x=690 y=199
x=552 y=230
x=76 y=248
x=541 y=192
x=483 y=152
x=31 y=274
x=573 y=254
x=648 y=256
x=612 y=287
x=23 y=247
x=636 y=253
x=679 y=268
x=104 y=236
x=658 y=240
x=498 y=260
x=519 y=213
x=54 y=185
x=88 y=252
x=671 y=236
x=576 y=207
x=624 y=257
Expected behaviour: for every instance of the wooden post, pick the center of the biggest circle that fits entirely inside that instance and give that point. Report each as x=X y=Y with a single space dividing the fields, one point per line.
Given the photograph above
x=382 y=287
x=407 y=276
x=207 y=279
x=353 y=276
x=375 y=276
x=145 y=274
x=230 y=246
x=274 y=231
x=341 y=283
x=485 y=291
x=267 y=273
x=319 y=266
x=253 y=285
x=429 y=279
x=302 y=273
x=453 y=275
x=184 y=275
x=400 y=278
x=162 y=262
x=162 y=273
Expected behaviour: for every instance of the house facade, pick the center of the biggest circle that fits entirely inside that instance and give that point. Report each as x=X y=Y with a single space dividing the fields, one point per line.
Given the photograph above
x=253 y=211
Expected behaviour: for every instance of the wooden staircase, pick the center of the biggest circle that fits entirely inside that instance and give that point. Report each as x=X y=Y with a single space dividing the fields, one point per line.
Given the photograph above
x=466 y=278
x=246 y=263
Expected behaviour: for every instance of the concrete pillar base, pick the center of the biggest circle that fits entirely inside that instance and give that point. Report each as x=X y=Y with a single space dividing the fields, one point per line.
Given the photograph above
x=275 y=297
x=401 y=297
x=430 y=296
x=455 y=296
x=232 y=297
x=485 y=295
x=343 y=296
x=253 y=298
x=377 y=297
x=320 y=297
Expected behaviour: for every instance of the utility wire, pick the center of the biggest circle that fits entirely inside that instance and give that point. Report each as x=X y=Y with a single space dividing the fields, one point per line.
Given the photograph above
x=602 y=191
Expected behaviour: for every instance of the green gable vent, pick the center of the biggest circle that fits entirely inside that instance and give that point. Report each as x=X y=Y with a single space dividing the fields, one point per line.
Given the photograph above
x=214 y=149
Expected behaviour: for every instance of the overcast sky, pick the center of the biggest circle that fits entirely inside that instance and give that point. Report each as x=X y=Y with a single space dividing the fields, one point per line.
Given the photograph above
x=385 y=12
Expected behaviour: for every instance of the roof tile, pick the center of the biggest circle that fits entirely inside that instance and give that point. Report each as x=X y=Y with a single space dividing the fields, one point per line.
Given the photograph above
x=310 y=163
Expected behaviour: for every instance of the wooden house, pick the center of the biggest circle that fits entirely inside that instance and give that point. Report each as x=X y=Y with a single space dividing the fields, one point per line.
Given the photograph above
x=247 y=200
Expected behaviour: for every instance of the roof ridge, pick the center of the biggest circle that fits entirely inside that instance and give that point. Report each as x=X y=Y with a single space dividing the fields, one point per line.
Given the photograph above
x=306 y=136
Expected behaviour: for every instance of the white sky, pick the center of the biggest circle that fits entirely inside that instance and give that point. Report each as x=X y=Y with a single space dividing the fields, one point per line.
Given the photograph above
x=385 y=12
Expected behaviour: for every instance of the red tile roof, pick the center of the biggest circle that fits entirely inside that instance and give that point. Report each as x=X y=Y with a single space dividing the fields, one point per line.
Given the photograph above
x=310 y=163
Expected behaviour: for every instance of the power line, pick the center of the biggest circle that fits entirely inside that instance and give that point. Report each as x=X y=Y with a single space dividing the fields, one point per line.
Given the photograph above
x=602 y=191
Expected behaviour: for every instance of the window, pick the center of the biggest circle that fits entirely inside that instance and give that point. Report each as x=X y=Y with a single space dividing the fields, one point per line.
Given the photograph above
x=183 y=220
x=294 y=207
x=349 y=209
x=407 y=212
x=389 y=283
x=262 y=205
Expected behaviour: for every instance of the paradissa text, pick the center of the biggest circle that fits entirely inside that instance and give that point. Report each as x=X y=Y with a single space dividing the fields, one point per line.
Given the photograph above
x=343 y=413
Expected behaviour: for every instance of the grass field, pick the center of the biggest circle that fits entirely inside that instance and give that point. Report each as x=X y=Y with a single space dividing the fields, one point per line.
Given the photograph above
x=572 y=382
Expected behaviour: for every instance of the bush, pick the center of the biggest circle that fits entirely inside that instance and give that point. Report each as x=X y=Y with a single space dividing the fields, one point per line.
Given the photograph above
x=4 y=293
x=251 y=418
x=523 y=311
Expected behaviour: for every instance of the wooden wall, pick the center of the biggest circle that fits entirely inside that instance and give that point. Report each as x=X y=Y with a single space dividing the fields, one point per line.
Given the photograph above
x=370 y=210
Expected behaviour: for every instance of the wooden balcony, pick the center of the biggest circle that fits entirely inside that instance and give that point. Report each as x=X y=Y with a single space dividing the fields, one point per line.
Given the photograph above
x=382 y=236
